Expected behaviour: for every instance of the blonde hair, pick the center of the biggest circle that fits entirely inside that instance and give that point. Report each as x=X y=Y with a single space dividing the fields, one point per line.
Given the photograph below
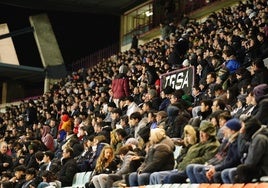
x=157 y=134
x=102 y=162
x=191 y=132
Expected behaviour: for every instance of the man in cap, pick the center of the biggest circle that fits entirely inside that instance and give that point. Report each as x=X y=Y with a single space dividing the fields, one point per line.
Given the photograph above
x=227 y=157
x=199 y=153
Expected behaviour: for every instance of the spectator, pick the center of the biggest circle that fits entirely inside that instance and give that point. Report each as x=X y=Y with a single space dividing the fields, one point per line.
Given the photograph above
x=6 y=161
x=47 y=138
x=106 y=164
x=120 y=87
x=259 y=72
x=68 y=168
x=226 y=157
x=19 y=177
x=29 y=177
x=159 y=157
x=198 y=153
x=260 y=95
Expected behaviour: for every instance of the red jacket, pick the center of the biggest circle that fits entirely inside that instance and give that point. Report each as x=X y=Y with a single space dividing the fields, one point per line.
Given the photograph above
x=120 y=87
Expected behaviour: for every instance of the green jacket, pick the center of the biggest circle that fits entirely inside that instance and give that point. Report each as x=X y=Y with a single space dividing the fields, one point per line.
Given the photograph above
x=199 y=153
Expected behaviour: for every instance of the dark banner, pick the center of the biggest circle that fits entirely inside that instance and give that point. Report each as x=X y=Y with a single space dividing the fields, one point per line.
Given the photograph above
x=181 y=78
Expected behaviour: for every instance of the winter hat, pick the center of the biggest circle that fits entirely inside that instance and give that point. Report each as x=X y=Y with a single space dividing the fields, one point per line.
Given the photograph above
x=64 y=117
x=207 y=127
x=132 y=141
x=123 y=69
x=251 y=126
x=259 y=91
x=152 y=92
x=172 y=110
x=233 y=124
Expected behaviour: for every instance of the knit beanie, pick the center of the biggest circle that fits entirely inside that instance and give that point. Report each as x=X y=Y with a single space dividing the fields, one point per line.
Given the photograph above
x=172 y=110
x=152 y=92
x=259 y=91
x=132 y=141
x=251 y=126
x=207 y=127
x=64 y=117
x=233 y=124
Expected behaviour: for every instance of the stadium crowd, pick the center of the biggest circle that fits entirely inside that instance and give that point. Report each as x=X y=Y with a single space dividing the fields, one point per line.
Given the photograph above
x=116 y=120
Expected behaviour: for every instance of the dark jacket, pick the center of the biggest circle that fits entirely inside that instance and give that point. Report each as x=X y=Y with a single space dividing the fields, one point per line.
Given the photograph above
x=4 y=158
x=159 y=158
x=67 y=172
x=232 y=158
x=262 y=109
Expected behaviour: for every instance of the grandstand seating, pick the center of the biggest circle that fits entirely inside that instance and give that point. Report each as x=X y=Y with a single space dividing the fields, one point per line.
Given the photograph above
x=80 y=179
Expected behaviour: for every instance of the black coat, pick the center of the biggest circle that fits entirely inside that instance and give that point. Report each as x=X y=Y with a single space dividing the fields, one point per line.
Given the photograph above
x=67 y=172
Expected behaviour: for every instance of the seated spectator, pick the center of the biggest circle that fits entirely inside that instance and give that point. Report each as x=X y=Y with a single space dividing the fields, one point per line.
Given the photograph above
x=106 y=164
x=49 y=180
x=204 y=150
x=5 y=160
x=68 y=169
x=126 y=154
x=159 y=157
x=19 y=177
x=30 y=175
x=227 y=157
x=255 y=165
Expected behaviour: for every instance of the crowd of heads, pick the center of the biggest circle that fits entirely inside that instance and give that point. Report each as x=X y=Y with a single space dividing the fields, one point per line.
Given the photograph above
x=227 y=52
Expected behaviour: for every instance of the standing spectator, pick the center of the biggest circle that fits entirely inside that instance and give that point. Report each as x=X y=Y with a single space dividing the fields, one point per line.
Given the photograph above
x=120 y=87
x=134 y=42
x=31 y=113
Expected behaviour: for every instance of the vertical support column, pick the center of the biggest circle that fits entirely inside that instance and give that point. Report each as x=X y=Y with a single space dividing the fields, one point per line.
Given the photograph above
x=4 y=92
x=47 y=44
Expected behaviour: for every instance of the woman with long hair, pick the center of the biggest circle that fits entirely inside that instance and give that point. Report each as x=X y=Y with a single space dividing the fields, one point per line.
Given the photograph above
x=106 y=164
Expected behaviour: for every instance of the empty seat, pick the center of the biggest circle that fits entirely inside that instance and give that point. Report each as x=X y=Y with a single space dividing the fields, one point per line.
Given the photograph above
x=226 y=185
x=262 y=185
x=204 y=185
x=238 y=185
x=251 y=185
x=214 y=185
